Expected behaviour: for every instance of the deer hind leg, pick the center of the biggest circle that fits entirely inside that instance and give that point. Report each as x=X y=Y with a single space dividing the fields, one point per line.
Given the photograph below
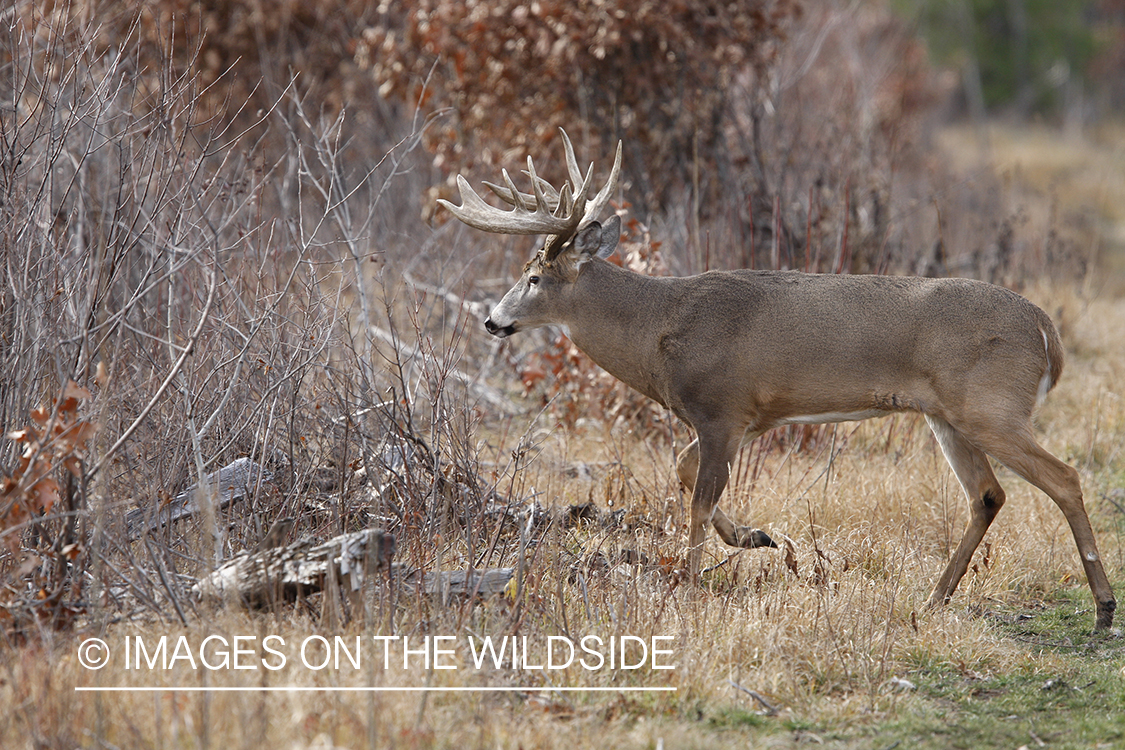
x=687 y=467
x=1019 y=452
x=985 y=496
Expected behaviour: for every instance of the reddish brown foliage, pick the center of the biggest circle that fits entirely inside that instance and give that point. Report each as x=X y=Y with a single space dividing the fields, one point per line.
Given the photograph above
x=56 y=437
x=654 y=74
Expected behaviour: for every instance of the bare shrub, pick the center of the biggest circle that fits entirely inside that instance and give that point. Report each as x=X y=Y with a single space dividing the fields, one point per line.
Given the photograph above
x=835 y=147
x=231 y=299
x=240 y=55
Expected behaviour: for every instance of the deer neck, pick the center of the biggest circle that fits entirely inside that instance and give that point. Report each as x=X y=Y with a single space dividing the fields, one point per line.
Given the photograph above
x=610 y=315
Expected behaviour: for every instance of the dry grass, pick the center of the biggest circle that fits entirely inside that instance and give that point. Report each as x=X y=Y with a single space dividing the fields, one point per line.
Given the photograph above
x=1057 y=175
x=822 y=643
x=1090 y=165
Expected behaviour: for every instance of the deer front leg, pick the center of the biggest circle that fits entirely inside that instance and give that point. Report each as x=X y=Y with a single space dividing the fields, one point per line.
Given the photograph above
x=710 y=481
x=687 y=467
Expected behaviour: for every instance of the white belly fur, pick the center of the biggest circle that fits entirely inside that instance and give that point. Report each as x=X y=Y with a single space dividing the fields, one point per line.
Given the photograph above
x=834 y=416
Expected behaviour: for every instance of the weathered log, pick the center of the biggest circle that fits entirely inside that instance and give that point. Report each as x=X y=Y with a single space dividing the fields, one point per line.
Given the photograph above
x=282 y=573
x=231 y=483
x=484 y=582
x=274 y=574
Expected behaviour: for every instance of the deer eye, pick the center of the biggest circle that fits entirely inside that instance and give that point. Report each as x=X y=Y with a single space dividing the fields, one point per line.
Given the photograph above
x=533 y=280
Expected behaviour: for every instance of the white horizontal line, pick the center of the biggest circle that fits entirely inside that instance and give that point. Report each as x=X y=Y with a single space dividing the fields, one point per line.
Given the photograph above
x=345 y=689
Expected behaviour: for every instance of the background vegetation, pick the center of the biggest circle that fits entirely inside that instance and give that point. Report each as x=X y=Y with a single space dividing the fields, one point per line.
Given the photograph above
x=1028 y=57
x=219 y=240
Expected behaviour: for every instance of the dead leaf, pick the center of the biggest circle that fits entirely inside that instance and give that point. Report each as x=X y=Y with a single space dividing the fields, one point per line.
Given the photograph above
x=791 y=558
x=30 y=563
x=47 y=491
x=74 y=465
x=75 y=391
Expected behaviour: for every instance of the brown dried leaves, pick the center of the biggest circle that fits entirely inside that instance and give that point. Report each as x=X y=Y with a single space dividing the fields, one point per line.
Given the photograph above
x=54 y=437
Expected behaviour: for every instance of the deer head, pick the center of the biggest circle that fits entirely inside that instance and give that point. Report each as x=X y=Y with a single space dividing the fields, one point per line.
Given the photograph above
x=566 y=215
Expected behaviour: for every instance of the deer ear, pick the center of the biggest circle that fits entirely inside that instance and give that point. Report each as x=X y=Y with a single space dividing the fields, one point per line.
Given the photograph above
x=611 y=233
x=598 y=240
x=592 y=241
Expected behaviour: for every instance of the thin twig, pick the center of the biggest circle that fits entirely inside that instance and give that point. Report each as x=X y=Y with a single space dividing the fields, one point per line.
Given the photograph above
x=770 y=709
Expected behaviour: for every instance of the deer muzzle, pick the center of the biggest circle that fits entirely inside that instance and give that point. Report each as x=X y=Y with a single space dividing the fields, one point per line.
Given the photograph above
x=498 y=331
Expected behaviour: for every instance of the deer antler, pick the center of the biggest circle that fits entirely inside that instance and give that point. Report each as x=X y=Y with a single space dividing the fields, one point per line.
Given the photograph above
x=595 y=206
x=559 y=213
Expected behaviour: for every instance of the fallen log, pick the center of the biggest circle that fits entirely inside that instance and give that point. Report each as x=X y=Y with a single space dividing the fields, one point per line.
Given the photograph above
x=450 y=583
x=277 y=574
x=268 y=574
x=230 y=484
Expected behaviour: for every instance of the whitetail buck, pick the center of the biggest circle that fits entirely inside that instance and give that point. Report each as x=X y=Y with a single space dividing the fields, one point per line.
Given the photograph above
x=736 y=353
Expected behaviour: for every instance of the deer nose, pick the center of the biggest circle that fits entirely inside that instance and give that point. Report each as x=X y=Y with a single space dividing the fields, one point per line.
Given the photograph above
x=499 y=331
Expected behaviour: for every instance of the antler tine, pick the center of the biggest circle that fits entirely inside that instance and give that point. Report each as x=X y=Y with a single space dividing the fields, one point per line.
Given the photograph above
x=549 y=190
x=599 y=202
x=565 y=199
x=506 y=193
x=540 y=197
x=580 y=184
x=594 y=207
x=554 y=243
x=526 y=202
x=522 y=219
x=571 y=162
x=548 y=211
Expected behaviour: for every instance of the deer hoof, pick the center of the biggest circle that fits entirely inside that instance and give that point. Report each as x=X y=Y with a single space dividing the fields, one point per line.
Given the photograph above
x=750 y=538
x=1105 y=614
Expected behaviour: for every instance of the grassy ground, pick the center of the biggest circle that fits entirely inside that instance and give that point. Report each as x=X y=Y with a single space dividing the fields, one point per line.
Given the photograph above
x=1078 y=173
x=828 y=645
x=836 y=642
